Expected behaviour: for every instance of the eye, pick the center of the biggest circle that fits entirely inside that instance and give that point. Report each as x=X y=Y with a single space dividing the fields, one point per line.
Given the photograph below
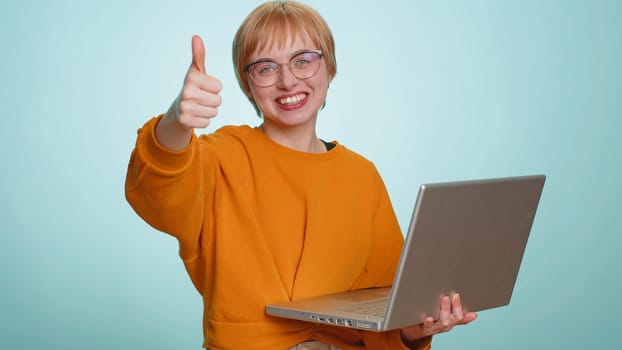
x=303 y=59
x=265 y=68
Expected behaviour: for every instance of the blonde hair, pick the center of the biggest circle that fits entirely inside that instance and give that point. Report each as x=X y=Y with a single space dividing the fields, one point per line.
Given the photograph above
x=274 y=22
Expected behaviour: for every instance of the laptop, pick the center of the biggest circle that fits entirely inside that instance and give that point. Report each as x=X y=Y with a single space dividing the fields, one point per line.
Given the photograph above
x=467 y=237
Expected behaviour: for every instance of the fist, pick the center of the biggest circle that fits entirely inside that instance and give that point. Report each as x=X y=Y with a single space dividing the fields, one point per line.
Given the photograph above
x=199 y=99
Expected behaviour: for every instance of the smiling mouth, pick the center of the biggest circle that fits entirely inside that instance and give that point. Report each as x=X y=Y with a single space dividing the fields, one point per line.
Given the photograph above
x=292 y=100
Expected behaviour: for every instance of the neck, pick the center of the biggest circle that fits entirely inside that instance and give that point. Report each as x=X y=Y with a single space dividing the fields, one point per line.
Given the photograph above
x=299 y=138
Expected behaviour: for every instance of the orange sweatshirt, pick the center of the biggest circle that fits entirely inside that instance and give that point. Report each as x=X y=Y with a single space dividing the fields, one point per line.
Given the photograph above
x=259 y=223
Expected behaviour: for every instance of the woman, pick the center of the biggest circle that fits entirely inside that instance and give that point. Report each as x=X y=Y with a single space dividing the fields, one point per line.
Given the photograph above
x=271 y=213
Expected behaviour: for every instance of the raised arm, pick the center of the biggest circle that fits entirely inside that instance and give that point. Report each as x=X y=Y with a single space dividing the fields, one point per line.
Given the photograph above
x=167 y=180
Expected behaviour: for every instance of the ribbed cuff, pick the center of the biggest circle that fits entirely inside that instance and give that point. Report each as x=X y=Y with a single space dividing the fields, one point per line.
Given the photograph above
x=165 y=160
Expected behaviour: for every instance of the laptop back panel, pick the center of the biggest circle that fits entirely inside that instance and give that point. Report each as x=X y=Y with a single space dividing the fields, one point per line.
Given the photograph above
x=467 y=237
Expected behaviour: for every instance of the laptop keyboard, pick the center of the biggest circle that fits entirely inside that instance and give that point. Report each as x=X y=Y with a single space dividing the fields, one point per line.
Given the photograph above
x=377 y=307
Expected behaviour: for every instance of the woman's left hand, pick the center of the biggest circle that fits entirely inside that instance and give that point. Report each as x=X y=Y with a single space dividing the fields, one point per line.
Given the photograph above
x=451 y=314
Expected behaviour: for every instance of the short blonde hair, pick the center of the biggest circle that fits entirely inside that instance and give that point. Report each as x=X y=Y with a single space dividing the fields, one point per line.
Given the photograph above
x=273 y=22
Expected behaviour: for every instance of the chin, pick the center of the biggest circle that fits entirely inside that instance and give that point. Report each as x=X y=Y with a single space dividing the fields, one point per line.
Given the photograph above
x=291 y=118
x=289 y=121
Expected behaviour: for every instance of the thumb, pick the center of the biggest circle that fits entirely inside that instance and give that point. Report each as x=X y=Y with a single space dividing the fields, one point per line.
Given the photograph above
x=198 y=54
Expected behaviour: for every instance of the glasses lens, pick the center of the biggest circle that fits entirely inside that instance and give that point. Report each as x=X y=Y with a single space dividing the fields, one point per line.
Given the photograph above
x=305 y=64
x=264 y=73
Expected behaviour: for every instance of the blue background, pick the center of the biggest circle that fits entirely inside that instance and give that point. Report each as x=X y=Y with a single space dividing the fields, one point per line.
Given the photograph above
x=429 y=90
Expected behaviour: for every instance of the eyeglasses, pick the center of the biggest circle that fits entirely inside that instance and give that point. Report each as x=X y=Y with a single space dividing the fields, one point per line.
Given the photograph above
x=303 y=65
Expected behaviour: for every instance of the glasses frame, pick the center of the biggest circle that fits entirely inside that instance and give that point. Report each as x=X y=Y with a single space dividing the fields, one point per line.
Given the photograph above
x=288 y=63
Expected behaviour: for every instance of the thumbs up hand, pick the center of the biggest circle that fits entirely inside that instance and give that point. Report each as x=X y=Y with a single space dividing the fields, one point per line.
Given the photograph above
x=197 y=103
x=199 y=99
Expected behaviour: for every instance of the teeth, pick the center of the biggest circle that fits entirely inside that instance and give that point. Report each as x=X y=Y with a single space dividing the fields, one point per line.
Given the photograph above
x=292 y=99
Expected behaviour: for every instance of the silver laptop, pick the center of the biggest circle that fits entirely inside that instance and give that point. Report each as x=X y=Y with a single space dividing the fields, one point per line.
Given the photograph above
x=467 y=237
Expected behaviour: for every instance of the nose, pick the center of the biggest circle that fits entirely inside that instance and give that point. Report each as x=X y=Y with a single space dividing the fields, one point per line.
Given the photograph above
x=286 y=79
